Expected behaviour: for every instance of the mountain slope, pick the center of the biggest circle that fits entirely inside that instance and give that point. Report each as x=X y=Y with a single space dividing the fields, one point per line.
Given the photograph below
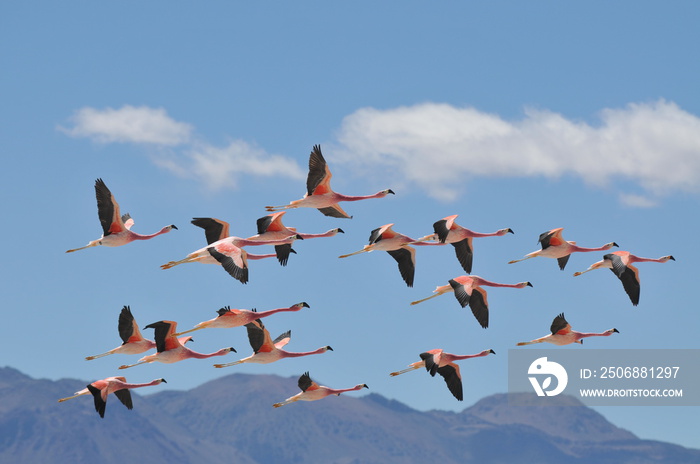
x=231 y=419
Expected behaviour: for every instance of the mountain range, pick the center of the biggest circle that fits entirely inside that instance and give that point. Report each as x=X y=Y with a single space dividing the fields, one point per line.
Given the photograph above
x=231 y=419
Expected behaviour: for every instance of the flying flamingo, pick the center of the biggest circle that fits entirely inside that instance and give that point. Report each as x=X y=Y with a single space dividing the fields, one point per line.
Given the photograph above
x=226 y=251
x=266 y=350
x=217 y=229
x=116 y=228
x=563 y=335
x=319 y=194
x=170 y=349
x=447 y=231
x=228 y=317
x=554 y=246
x=620 y=263
x=444 y=364
x=311 y=391
x=468 y=291
x=117 y=385
x=129 y=332
x=397 y=245
x=270 y=227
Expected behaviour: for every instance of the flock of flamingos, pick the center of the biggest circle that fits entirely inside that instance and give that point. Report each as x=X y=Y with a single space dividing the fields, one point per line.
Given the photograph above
x=228 y=251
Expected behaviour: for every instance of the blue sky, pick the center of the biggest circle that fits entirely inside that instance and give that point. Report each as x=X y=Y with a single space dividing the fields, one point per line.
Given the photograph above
x=524 y=115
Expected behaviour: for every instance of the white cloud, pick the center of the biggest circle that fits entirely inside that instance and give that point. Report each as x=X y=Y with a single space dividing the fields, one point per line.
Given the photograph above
x=637 y=201
x=129 y=124
x=214 y=166
x=438 y=147
x=222 y=167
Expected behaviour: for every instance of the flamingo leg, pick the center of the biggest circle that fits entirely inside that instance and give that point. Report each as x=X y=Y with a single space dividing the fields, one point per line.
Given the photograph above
x=285 y=402
x=126 y=366
x=175 y=263
x=408 y=369
x=427 y=238
x=228 y=364
x=90 y=358
x=71 y=397
x=364 y=250
x=425 y=299
x=91 y=244
x=187 y=331
x=278 y=208
x=521 y=259
x=539 y=340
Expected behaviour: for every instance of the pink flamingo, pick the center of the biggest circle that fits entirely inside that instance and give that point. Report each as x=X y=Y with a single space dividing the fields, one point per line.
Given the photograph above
x=444 y=364
x=311 y=391
x=116 y=229
x=397 y=245
x=129 y=332
x=447 y=231
x=227 y=251
x=266 y=350
x=468 y=291
x=117 y=385
x=563 y=335
x=620 y=263
x=170 y=349
x=270 y=227
x=228 y=317
x=554 y=246
x=319 y=194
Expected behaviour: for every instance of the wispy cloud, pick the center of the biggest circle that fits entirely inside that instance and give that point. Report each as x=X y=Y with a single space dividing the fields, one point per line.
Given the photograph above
x=221 y=167
x=129 y=124
x=438 y=147
x=653 y=148
x=216 y=167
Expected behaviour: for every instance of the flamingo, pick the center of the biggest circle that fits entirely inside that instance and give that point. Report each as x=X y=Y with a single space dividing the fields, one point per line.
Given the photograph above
x=228 y=317
x=117 y=385
x=116 y=228
x=311 y=391
x=266 y=350
x=226 y=251
x=397 y=245
x=447 y=231
x=129 y=332
x=319 y=194
x=468 y=291
x=563 y=335
x=170 y=349
x=444 y=364
x=554 y=246
x=620 y=263
x=271 y=227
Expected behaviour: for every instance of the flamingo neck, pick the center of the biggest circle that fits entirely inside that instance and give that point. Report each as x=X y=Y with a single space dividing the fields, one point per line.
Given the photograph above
x=196 y=355
x=650 y=260
x=139 y=385
x=273 y=311
x=573 y=247
x=329 y=233
x=289 y=354
x=468 y=356
x=334 y=391
x=470 y=233
x=136 y=236
x=580 y=335
x=480 y=281
x=341 y=197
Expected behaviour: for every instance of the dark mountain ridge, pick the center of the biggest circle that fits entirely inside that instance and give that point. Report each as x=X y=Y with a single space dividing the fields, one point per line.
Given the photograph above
x=231 y=419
